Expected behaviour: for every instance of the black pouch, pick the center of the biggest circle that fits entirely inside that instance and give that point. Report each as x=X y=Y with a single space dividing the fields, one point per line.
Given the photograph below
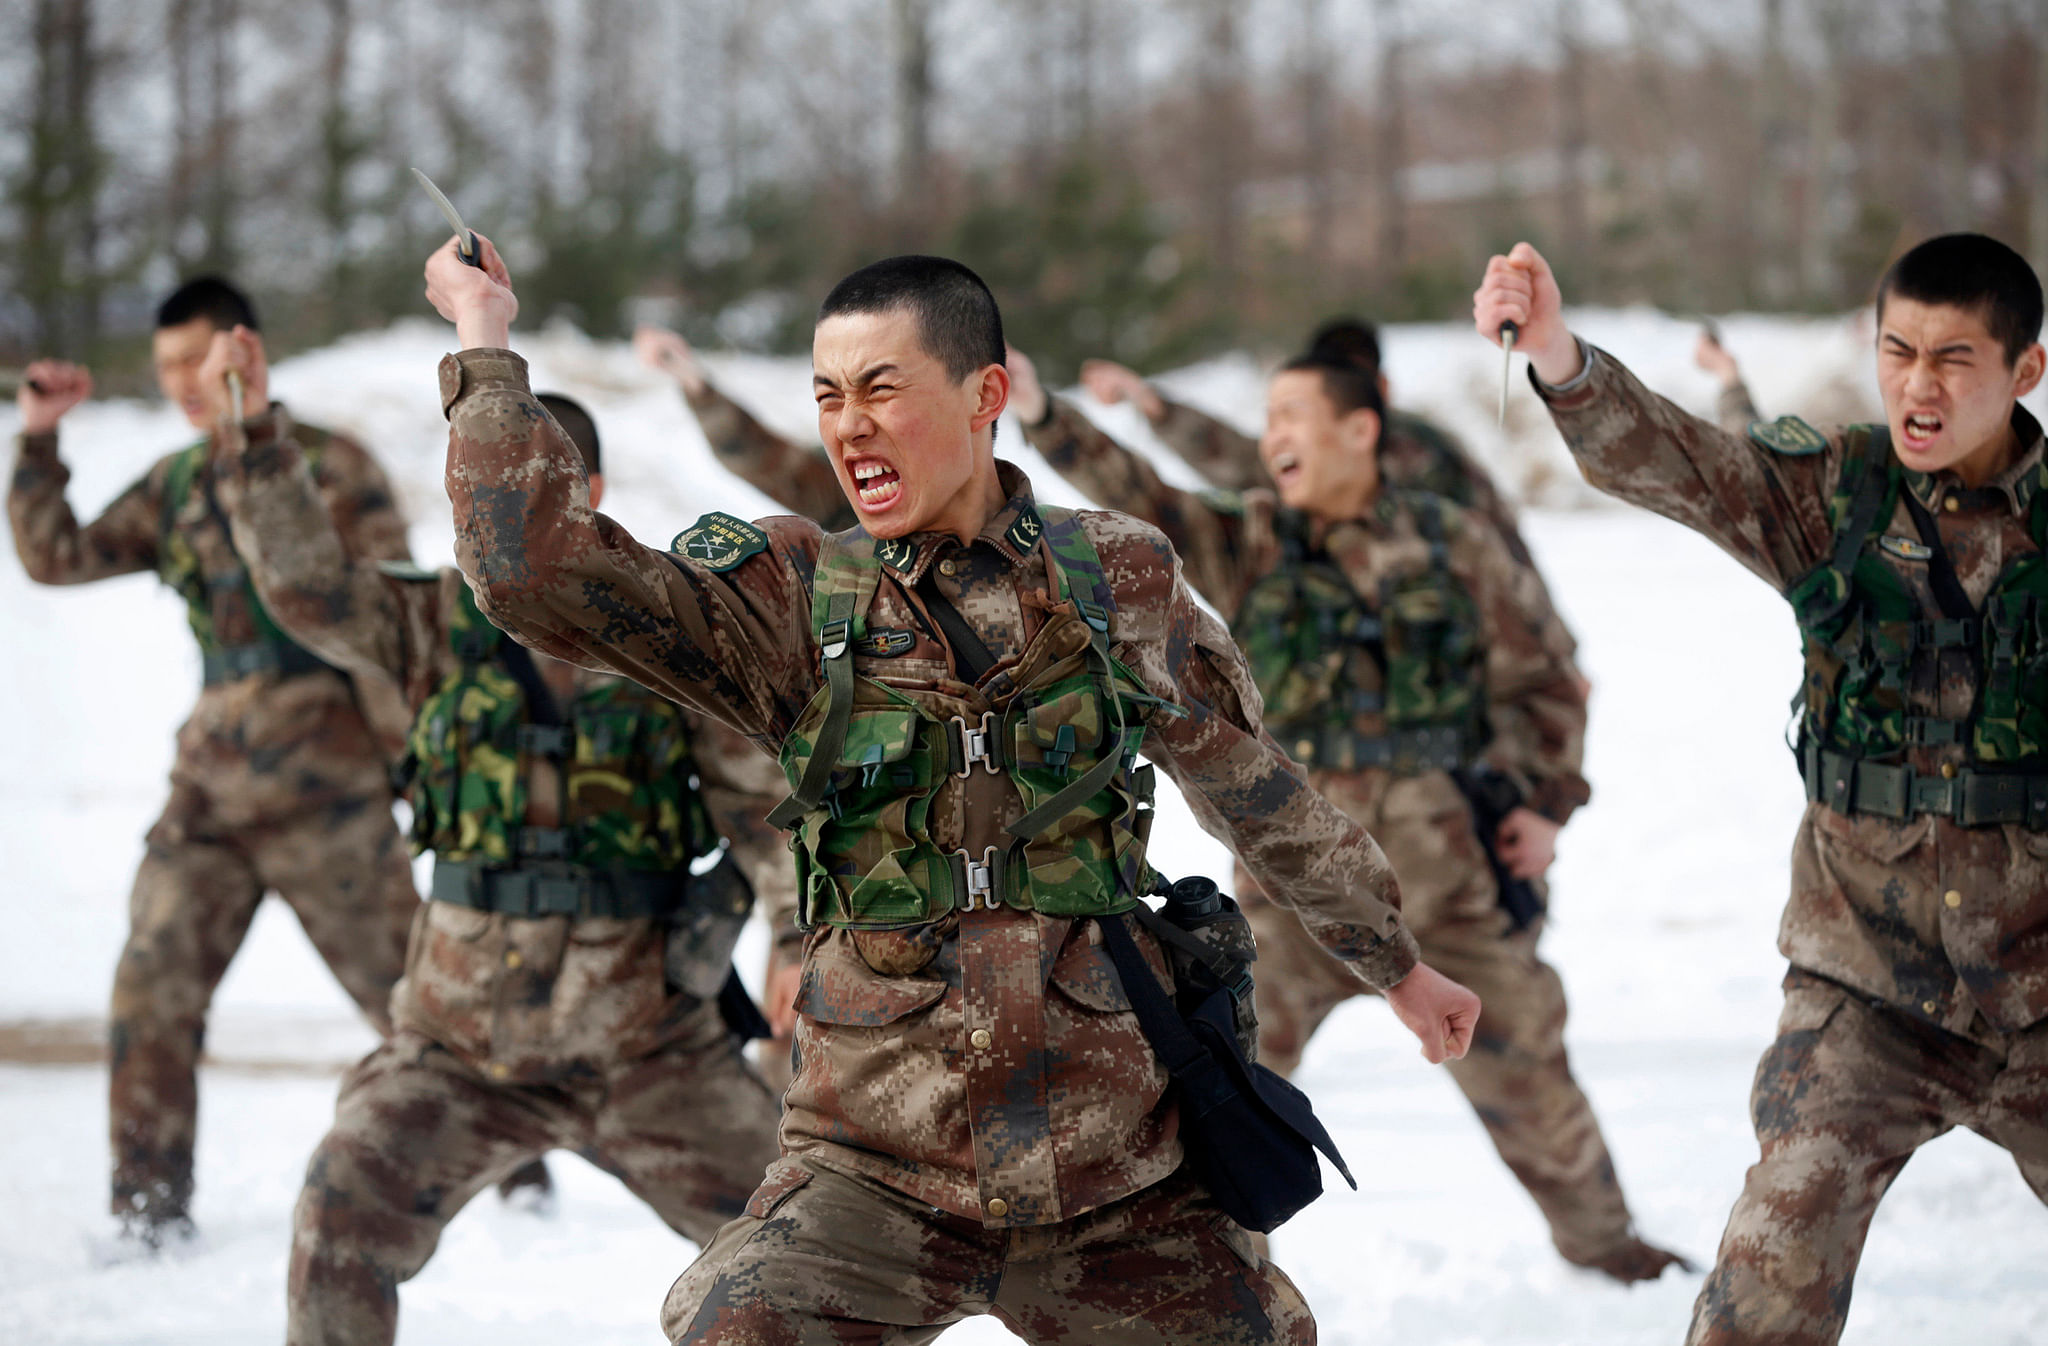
x=705 y=928
x=1250 y=1136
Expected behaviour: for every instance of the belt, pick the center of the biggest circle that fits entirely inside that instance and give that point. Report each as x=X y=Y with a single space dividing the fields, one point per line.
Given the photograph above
x=559 y=888
x=1973 y=798
x=243 y=661
x=1446 y=748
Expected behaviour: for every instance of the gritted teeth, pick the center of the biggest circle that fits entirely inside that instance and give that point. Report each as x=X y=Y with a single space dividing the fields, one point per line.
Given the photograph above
x=870 y=468
x=1923 y=423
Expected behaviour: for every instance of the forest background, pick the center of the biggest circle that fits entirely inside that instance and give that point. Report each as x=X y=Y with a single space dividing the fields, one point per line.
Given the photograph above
x=1152 y=180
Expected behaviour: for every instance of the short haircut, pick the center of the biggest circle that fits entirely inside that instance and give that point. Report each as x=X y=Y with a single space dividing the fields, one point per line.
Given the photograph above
x=577 y=425
x=1971 y=271
x=958 y=323
x=212 y=298
x=1348 y=387
x=1350 y=340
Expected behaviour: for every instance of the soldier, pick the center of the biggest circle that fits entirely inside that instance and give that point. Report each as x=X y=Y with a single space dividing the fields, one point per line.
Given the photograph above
x=1917 y=932
x=1734 y=408
x=567 y=985
x=977 y=1124
x=278 y=784
x=1403 y=663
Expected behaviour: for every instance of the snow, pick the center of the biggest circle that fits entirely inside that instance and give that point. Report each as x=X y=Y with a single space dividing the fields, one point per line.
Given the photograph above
x=1667 y=892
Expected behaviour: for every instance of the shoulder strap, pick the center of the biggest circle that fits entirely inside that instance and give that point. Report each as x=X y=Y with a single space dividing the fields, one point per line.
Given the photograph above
x=475 y=640
x=1429 y=521
x=1941 y=571
x=1876 y=464
x=975 y=657
x=1078 y=566
x=842 y=587
x=178 y=485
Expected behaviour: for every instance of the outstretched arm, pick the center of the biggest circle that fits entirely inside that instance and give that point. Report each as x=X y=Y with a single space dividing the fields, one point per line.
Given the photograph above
x=54 y=547
x=1226 y=457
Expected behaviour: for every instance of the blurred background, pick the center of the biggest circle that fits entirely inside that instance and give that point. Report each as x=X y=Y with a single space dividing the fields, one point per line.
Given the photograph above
x=1153 y=180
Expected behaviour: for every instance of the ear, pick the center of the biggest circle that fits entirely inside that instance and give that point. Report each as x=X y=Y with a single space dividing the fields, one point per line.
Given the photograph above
x=1362 y=430
x=991 y=396
x=2028 y=368
x=596 y=488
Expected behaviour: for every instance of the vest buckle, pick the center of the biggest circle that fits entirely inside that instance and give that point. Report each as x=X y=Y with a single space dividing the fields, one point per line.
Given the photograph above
x=977 y=745
x=977 y=878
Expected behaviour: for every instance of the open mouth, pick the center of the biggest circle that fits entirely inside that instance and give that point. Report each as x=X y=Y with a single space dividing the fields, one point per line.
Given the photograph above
x=876 y=482
x=1285 y=467
x=1922 y=428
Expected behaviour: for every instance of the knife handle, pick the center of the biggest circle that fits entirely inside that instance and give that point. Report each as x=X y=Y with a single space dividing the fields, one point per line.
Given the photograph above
x=468 y=251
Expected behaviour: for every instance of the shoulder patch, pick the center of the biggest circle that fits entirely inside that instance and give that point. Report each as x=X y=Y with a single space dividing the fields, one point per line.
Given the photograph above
x=408 y=570
x=1222 y=501
x=1788 y=435
x=719 y=542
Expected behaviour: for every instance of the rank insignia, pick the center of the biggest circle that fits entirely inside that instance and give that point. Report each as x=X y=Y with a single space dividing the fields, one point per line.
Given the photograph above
x=718 y=542
x=1905 y=548
x=1025 y=532
x=1788 y=435
x=896 y=553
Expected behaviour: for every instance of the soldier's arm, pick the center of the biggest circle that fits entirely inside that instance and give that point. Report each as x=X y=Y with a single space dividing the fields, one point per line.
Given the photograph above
x=1734 y=409
x=1243 y=789
x=360 y=499
x=54 y=547
x=1535 y=712
x=1209 y=533
x=1226 y=456
x=1764 y=504
x=732 y=640
x=741 y=784
x=797 y=477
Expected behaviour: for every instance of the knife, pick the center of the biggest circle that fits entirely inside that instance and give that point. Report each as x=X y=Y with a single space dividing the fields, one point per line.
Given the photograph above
x=465 y=240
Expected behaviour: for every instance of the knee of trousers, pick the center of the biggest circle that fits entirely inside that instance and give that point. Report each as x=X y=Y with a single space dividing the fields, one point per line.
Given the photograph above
x=363 y=1207
x=155 y=996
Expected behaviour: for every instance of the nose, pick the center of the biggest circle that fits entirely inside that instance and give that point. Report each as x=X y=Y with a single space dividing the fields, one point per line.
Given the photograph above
x=1921 y=381
x=853 y=425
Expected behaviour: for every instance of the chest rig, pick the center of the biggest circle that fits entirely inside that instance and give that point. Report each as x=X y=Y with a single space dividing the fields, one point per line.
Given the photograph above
x=1048 y=744
x=236 y=633
x=631 y=816
x=1395 y=680
x=1868 y=640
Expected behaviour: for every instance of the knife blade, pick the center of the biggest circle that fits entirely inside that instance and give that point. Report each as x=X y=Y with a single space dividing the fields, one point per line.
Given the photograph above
x=465 y=239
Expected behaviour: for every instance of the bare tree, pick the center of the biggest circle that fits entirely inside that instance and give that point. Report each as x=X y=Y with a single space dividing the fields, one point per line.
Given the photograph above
x=1390 y=141
x=913 y=44
x=1572 y=139
x=57 y=196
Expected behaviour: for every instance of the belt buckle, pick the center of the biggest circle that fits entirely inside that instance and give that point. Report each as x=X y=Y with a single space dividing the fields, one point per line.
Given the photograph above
x=979 y=879
x=976 y=745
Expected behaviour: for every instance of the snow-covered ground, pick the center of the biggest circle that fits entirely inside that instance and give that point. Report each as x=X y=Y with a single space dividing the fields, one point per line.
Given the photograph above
x=1667 y=894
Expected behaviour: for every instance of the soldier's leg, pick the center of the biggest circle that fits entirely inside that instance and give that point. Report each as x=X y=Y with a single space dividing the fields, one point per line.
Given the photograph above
x=690 y=1130
x=821 y=1258
x=1519 y=1080
x=188 y=912
x=2016 y=1115
x=1164 y=1266
x=416 y=1134
x=345 y=874
x=1841 y=1101
x=1298 y=982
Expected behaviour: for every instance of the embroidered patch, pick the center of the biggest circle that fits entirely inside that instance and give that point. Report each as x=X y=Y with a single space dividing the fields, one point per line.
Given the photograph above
x=1025 y=532
x=885 y=643
x=718 y=542
x=407 y=570
x=897 y=553
x=1788 y=435
x=1905 y=548
x=1222 y=501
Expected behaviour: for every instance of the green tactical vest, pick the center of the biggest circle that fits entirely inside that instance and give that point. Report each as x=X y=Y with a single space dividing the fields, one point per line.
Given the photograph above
x=866 y=762
x=628 y=797
x=1395 y=681
x=1866 y=637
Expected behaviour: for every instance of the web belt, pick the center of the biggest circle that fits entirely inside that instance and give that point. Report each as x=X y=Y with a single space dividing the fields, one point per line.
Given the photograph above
x=245 y=661
x=1443 y=749
x=1973 y=798
x=563 y=889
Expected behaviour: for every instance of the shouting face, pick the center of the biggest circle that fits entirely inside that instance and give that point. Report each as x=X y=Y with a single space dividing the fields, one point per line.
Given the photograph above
x=178 y=352
x=1321 y=460
x=1948 y=388
x=905 y=437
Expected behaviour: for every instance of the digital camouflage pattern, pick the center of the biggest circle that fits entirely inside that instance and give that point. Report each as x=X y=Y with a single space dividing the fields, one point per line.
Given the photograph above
x=798 y=477
x=1035 y=1097
x=277 y=785
x=516 y=1035
x=1937 y=931
x=1516 y=1076
x=822 y=1258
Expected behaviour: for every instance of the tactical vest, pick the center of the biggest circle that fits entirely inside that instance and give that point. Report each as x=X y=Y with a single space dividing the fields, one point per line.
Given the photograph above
x=1397 y=681
x=629 y=801
x=1056 y=735
x=1866 y=638
x=179 y=566
x=1441 y=473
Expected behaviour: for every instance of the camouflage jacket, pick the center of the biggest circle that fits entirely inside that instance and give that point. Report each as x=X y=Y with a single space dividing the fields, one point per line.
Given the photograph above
x=1734 y=409
x=1413 y=452
x=1229 y=542
x=1940 y=921
x=1055 y=1103
x=260 y=747
x=543 y=1000
x=798 y=478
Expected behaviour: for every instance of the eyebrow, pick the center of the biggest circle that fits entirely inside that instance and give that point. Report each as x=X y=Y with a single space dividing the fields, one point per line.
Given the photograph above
x=860 y=380
x=1965 y=345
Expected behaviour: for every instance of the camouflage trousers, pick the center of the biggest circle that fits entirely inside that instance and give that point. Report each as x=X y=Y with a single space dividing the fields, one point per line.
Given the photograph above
x=344 y=873
x=824 y=1258
x=1516 y=1075
x=1842 y=1099
x=418 y=1132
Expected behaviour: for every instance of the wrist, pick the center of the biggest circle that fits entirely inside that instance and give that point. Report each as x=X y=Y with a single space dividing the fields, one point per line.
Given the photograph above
x=1560 y=361
x=484 y=328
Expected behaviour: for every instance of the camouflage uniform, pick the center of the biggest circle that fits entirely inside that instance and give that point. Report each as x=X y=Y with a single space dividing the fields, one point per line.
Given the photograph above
x=1734 y=409
x=1040 y=1148
x=278 y=784
x=1516 y=1075
x=1918 y=995
x=798 y=478
x=515 y=1034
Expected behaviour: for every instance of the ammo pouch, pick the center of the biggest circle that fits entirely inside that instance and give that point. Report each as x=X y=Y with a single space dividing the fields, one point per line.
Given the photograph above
x=1249 y=1135
x=702 y=933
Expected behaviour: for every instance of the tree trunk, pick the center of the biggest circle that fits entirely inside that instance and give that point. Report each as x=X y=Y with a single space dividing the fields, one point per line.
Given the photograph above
x=913 y=114
x=1572 y=228
x=1319 y=169
x=1220 y=86
x=340 y=148
x=1390 y=156
x=218 y=166
x=2037 y=214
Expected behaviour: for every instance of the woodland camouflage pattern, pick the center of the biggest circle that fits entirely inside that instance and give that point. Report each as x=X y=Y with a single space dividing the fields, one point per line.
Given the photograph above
x=1937 y=934
x=277 y=784
x=984 y=1065
x=515 y=1036
x=1516 y=1075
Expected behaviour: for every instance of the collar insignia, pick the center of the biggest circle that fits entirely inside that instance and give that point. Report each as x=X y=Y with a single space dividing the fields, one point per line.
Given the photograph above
x=1024 y=532
x=897 y=553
